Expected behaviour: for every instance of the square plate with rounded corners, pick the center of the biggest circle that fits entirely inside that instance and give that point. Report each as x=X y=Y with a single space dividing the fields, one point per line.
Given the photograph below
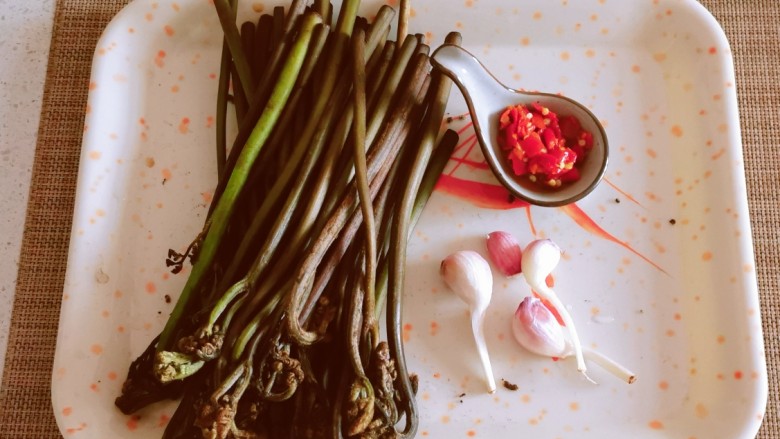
x=658 y=267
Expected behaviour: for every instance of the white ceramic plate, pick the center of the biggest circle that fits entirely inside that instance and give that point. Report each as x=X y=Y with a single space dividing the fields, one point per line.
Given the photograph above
x=675 y=302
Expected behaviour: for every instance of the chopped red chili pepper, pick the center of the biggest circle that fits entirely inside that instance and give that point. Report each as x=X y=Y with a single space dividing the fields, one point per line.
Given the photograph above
x=542 y=145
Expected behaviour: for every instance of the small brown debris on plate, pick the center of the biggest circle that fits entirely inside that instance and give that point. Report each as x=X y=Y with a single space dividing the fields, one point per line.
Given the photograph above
x=510 y=386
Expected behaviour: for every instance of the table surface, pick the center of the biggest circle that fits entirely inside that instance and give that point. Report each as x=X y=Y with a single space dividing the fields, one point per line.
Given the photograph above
x=753 y=28
x=24 y=48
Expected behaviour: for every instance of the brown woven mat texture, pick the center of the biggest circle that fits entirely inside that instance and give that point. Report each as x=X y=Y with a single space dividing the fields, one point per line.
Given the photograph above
x=753 y=29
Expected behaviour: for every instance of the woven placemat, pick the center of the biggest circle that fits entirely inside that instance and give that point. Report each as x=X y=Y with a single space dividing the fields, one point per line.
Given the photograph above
x=25 y=404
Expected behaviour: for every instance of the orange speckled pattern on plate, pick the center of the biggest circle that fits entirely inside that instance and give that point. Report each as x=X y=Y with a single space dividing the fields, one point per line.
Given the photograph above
x=658 y=269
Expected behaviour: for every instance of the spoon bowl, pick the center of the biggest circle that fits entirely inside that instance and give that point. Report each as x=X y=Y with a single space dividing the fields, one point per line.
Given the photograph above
x=487 y=98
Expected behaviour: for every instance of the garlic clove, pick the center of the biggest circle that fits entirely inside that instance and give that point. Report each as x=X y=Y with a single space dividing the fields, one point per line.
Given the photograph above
x=540 y=257
x=536 y=329
x=505 y=252
x=468 y=274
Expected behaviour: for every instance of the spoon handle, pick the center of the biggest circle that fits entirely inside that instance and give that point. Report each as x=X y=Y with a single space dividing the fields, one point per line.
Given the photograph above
x=472 y=78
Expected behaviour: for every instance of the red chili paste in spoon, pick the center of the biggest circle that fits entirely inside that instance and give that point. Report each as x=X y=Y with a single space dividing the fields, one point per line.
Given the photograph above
x=545 y=147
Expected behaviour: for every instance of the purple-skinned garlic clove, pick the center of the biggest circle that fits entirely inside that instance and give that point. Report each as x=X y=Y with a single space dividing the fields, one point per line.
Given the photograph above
x=536 y=329
x=505 y=253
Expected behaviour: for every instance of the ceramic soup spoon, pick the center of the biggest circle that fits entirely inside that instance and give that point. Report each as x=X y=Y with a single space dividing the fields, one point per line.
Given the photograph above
x=487 y=98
